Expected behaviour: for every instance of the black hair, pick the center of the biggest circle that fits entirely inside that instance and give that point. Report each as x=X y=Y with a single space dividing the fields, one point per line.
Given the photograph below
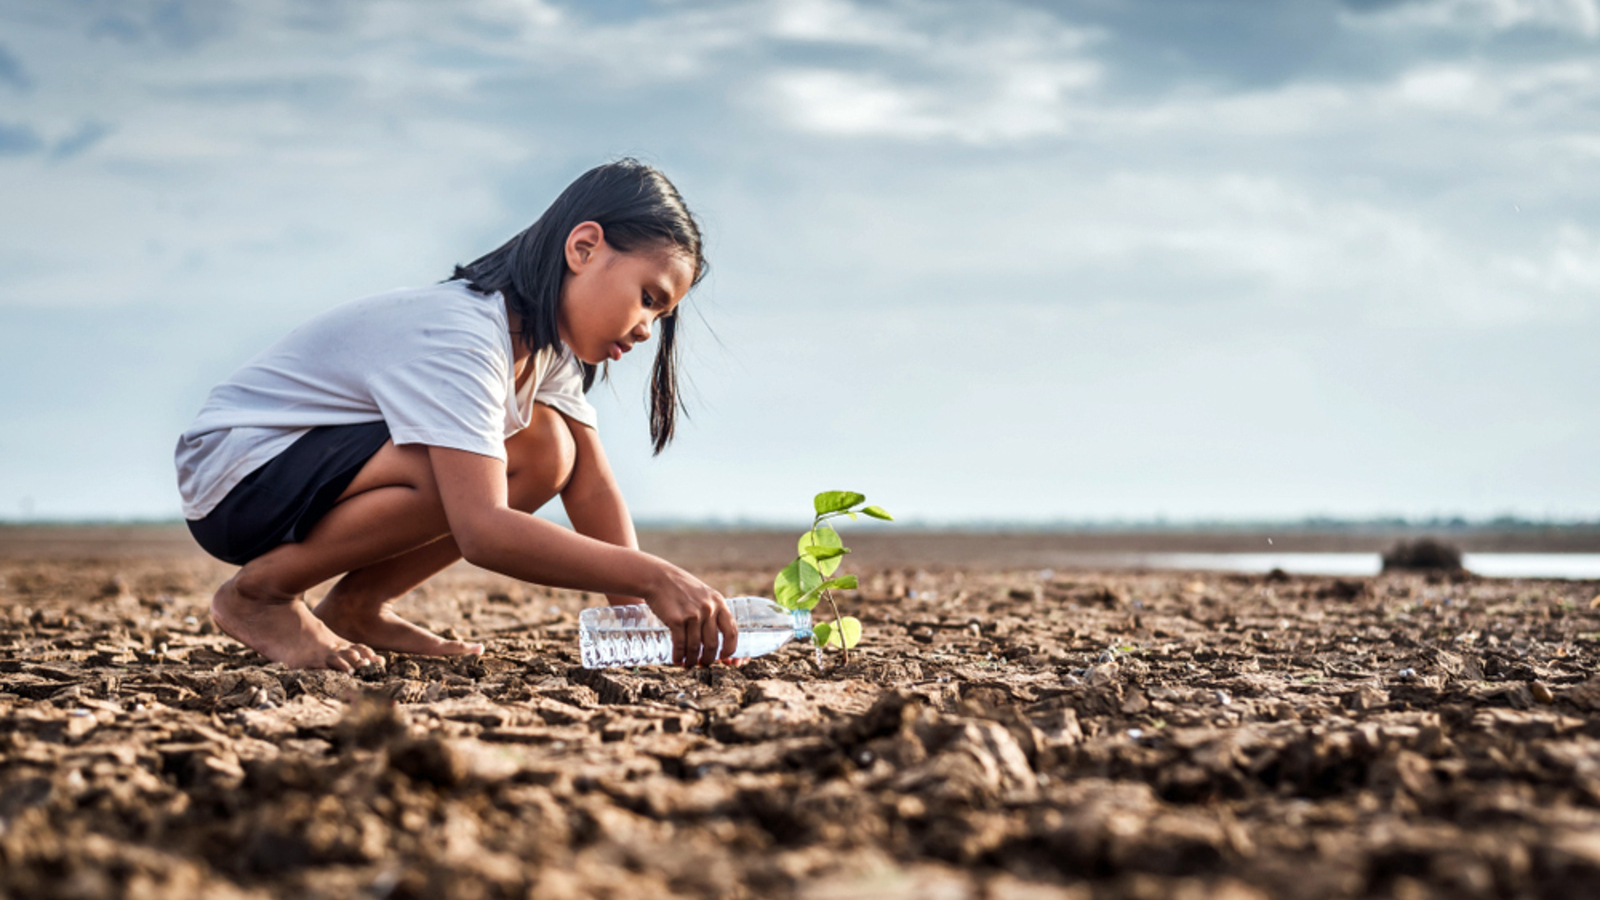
x=637 y=207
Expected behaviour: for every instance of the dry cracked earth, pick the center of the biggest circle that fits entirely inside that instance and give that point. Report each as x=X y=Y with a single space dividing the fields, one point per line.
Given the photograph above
x=1001 y=734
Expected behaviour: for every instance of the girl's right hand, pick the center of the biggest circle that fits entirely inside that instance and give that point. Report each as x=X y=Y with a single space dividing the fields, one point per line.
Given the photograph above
x=696 y=615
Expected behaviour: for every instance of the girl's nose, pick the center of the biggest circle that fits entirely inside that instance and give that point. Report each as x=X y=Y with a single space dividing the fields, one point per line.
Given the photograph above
x=641 y=331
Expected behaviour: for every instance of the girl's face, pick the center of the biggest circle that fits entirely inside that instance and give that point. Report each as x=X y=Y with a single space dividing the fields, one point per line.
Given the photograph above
x=611 y=300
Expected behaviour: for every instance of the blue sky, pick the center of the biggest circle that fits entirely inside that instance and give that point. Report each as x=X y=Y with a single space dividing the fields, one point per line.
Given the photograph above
x=1016 y=260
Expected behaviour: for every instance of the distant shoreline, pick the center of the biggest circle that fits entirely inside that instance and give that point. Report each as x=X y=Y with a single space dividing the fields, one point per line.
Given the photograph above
x=895 y=545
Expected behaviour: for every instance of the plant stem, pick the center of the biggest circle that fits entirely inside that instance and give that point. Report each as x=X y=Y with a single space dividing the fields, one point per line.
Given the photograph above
x=838 y=626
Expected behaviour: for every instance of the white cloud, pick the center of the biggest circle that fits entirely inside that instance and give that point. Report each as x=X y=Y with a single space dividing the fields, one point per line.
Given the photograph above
x=1578 y=17
x=834 y=22
x=1569 y=268
x=845 y=103
x=1013 y=74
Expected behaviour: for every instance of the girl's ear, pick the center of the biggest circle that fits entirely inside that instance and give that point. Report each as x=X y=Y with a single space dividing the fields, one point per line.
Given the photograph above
x=583 y=245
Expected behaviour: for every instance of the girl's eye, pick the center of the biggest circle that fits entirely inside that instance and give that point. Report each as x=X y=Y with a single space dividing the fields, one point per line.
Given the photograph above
x=649 y=301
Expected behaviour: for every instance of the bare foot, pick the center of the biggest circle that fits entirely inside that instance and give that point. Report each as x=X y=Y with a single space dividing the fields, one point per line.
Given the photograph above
x=285 y=631
x=379 y=627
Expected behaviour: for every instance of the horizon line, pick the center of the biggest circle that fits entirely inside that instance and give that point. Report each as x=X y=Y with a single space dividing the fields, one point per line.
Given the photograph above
x=990 y=524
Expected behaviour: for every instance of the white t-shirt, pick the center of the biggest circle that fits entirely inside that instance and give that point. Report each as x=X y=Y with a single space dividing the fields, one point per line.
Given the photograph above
x=434 y=363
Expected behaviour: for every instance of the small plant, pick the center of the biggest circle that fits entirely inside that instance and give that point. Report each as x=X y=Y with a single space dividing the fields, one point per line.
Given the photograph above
x=810 y=579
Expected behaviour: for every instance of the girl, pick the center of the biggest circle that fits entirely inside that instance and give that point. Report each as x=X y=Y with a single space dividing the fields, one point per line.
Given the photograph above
x=389 y=437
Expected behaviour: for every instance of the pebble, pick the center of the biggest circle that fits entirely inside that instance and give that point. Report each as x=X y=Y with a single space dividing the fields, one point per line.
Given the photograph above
x=1135 y=733
x=1223 y=698
x=1541 y=692
x=1407 y=674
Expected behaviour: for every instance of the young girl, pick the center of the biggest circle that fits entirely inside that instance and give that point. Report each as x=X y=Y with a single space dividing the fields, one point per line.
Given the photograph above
x=389 y=437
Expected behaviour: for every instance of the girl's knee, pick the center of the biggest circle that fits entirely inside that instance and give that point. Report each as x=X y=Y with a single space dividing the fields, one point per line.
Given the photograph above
x=541 y=456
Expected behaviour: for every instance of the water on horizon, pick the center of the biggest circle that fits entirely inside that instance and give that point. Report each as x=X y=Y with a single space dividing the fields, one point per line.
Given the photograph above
x=1491 y=565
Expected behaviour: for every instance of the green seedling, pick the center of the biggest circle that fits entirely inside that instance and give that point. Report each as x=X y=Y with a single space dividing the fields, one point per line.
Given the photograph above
x=811 y=578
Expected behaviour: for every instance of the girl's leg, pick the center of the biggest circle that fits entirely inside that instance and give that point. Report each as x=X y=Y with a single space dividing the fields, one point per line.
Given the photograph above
x=390 y=510
x=541 y=458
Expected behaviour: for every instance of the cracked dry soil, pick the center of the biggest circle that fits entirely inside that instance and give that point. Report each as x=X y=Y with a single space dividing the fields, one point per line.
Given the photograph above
x=1002 y=734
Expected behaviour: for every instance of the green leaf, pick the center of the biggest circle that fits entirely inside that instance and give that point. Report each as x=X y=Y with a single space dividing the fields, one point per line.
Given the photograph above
x=836 y=501
x=820 y=553
x=877 y=512
x=824 y=538
x=810 y=599
x=795 y=581
x=844 y=633
x=821 y=633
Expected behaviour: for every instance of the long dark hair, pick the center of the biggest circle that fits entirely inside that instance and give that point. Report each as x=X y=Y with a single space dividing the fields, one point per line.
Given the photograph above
x=638 y=208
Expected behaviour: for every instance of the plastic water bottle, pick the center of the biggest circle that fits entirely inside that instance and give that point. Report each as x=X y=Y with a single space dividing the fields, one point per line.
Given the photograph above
x=610 y=636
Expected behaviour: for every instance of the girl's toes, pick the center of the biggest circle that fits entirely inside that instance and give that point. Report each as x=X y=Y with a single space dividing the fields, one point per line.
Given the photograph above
x=352 y=657
x=460 y=648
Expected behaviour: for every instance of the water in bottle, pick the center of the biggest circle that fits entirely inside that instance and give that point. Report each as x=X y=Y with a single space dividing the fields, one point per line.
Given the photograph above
x=610 y=636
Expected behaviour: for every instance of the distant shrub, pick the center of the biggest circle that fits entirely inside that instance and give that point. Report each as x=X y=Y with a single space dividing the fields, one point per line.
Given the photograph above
x=1422 y=555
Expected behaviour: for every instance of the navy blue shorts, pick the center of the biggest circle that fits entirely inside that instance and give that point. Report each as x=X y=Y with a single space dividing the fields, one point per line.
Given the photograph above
x=283 y=500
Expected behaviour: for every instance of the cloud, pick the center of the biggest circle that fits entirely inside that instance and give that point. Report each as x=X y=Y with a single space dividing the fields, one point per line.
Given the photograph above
x=1021 y=102
x=1569 y=267
x=179 y=24
x=939 y=71
x=79 y=141
x=19 y=140
x=834 y=22
x=12 y=71
x=1579 y=18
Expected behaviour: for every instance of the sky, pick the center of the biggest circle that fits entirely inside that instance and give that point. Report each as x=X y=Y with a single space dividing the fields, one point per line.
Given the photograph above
x=1014 y=261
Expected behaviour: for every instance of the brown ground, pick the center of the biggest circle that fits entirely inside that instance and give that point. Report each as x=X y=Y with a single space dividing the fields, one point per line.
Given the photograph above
x=1005 y=733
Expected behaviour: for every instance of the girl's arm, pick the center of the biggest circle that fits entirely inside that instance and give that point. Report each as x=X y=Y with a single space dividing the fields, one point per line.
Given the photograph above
x=491 y=534
x=592 y=498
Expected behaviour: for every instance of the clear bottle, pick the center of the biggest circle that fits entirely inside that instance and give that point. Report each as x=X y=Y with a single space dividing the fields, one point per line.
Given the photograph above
x=611 y=636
